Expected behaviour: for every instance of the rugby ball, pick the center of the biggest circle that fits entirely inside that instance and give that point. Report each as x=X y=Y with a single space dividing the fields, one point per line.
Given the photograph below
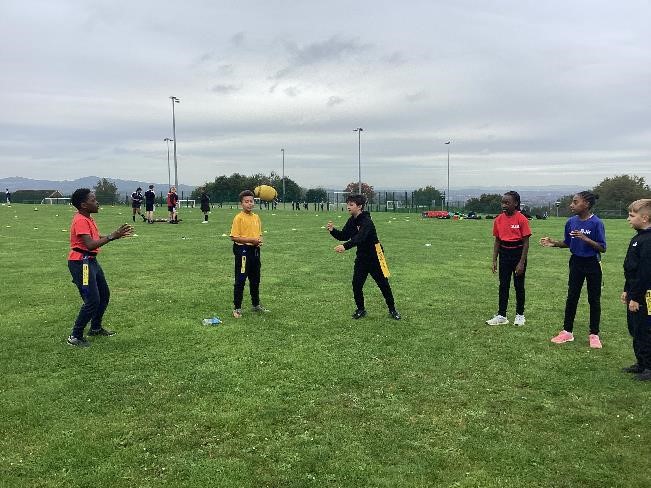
x=265 y=192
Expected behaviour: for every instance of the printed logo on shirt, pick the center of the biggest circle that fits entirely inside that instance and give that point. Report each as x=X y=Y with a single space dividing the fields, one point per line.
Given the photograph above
x=515 y=226
x=634 y=244
x=585 y=231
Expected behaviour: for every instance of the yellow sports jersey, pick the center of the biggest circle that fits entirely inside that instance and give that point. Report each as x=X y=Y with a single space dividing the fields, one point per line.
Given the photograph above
x=246 y=225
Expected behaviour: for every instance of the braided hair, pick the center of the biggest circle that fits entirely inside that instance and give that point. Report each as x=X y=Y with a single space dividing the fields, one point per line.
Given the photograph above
x=589 y=197
x=516 y=197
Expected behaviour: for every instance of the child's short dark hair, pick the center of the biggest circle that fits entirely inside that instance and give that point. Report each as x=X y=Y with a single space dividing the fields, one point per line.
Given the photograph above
x=151 y=187
x=79 y=196
x=357 y=199
x=589 y=197
x=246 y=193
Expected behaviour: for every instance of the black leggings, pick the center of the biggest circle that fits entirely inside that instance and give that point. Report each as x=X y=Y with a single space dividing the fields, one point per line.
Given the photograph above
x=363 y=267
x=508 y=260
x=250 y=255
x=588 y=270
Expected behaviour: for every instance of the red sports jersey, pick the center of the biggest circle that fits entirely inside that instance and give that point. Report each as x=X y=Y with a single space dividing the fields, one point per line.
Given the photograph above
x=511 y=228
x=81 y=225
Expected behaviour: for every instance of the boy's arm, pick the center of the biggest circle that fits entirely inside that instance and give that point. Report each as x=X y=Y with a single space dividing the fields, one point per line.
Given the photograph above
x=92 y=244
x=340 y=235
x=639 y=285
x=361 y=236
x=256 y=241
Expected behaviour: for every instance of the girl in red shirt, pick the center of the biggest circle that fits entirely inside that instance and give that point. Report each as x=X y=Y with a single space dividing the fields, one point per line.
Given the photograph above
x=512 y=232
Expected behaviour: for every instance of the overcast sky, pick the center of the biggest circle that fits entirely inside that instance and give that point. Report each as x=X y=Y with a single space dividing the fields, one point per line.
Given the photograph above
x=528 y=92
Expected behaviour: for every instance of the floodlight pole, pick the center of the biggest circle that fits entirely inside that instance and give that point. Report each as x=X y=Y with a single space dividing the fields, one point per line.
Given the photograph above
x=359 y=158
x=283 y=152
x=447 y=195
x=169 y=178
x=176 y=168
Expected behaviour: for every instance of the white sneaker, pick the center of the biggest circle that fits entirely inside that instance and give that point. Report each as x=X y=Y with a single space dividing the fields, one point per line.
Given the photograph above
x=519 y=320
x=498 y=320
x=204 y=222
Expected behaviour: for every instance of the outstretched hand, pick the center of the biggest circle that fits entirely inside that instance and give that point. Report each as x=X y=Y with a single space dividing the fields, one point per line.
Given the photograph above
x=330 y=226
x=124 y=230
x=547 y=242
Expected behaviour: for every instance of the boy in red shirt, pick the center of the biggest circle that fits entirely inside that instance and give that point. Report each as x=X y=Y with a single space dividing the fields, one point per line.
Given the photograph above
x=87 y=274
x=512 y=232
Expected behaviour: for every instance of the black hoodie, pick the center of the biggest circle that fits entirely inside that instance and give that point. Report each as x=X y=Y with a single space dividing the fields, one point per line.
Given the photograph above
x=359 y=231
x=637 y=266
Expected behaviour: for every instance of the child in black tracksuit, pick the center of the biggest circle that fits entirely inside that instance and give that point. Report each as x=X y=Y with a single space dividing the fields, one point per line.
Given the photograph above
x=360 y=232
x=637 y=288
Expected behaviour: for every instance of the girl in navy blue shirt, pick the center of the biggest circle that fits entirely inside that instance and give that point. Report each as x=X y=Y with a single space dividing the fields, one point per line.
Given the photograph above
x=586 y=237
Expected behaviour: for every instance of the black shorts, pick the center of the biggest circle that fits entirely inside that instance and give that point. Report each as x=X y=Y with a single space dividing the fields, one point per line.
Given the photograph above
x=149 y=207
x=135 y=205
x=170 y=208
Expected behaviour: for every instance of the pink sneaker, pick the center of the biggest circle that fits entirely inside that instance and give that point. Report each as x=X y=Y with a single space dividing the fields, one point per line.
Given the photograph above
x=595 y=342
x=563 y=336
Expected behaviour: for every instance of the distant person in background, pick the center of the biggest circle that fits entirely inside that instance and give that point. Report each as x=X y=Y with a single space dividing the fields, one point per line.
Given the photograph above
x=87 y=274
x=136 y=203
x=150 y=200
x=8 y=196
x=172 y=203
x=205 y=206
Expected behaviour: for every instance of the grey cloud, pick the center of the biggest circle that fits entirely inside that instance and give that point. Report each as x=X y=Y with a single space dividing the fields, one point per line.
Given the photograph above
x=333 y=49
x=225 y=89
x=226 y=69
x=292 y=91
x=238 y=39
x=332 y=101
x=416 y=97
x=396 y=58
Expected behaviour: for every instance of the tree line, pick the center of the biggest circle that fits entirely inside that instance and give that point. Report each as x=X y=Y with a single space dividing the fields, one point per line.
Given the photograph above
x=615 y=193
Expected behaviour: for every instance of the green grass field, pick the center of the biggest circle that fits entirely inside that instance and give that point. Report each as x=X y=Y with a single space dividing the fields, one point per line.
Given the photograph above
x=304 y=395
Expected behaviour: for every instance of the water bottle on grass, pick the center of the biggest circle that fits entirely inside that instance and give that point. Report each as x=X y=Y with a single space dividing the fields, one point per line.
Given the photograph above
x=212 y=321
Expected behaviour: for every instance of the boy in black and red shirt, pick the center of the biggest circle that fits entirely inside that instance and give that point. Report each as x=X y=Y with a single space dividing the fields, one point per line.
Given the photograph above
x=172 y=201
x=87 y=274
x=512 y=232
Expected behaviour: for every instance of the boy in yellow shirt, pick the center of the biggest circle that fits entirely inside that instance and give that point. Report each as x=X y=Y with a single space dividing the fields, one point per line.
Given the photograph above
x=246 y=234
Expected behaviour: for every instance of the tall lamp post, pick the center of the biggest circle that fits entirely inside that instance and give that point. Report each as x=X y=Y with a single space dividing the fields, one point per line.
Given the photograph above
x=169 y=177
x=359 y=158
x=176 y=168
x=283 y=153
x=447 y=195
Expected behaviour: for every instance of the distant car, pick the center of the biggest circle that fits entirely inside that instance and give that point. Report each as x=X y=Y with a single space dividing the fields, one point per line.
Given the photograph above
x=436 y=214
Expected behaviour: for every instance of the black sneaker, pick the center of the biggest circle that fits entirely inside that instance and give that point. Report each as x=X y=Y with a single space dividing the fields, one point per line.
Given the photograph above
x=359 y=314
x=633 y=368
x=394 y=314
x=76 y=341
x=644 y=375
x=101 y=332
